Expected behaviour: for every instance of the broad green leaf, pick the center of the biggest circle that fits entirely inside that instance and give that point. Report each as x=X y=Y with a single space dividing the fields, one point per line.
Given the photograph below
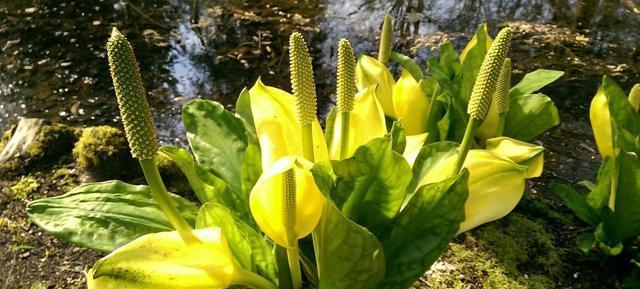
x=599 y=196
x=407 y=63
x=398 y=137
x=243 y=110
x=447 y=70
x=104 y=216
x=324 y=177
x=218 y=139
x=251 y=167
x=534 y=81
x=181 y=260
x=624 y=118
x=206 y=186
x=530 y=115
x=627 y=203
x=431 y=158
x=250 y=249
x=471 y=58
x=577 y=203
x=452 y=125
x=586 y=242
x=348 y=255
x=422 y=231
x=372 y=184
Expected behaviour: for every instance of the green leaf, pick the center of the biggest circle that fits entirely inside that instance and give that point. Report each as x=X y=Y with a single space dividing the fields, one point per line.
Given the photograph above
x=218 y=139
x=398 y=137
x=625 y=120
x=243 y=110
x=471 y=59
x=577 y=203
x=447 y=70
x=534 y=81
x=530 y=115
x=422 y=231
x=599 y=195
x=586 y=242
x=626 y=212
x=104 y=216
x=324 y=177
x=452 y=125
x=372 y=184
x=251 y=167
x=407 y=63
x=250 y=249
x=206 y=186
x=430 y=158
x=348 y=255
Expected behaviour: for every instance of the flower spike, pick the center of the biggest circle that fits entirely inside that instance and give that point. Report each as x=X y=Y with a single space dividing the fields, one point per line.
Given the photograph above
x=485 y=84
x=346 y=86
x=304 y=88
x=134 y=108
x=503 y=86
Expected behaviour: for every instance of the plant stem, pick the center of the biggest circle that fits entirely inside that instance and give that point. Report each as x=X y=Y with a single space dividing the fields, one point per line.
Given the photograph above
x=430 y=117
x=614 y=180
x=253 y=280
x=501 y=123
x=307 y=142
x=465 y=145
x=161 y=195
x=344 y=134
x=294 y=266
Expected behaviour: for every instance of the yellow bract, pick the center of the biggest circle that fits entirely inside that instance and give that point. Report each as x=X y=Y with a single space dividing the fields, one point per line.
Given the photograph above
x=496 y=185
x=410 y=104
x=474 y=41
x=370 y=71
x=366 y=123
x=601 y=123
x=522 y=153
x=286 y=211
x=186 y=259
x=277 y=128
x=414 y=144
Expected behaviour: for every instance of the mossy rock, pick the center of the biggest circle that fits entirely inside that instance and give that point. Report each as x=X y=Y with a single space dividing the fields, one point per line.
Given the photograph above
x=24 y=187
x=102 y=153
x=41 y=146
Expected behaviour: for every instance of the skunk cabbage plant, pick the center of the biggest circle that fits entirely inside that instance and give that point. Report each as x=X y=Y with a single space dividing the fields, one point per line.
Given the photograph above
x=611 y=206
x=282 y=204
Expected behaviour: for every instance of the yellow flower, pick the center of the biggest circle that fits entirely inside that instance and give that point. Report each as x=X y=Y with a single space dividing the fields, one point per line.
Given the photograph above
x=522 y=153
x=285 y=202
x=185 y=259
x=410 y=104
x=277 y=128
x=601 y=123
x=403 y=100
x=366 y=123
x=496 y=185
x=370 y=71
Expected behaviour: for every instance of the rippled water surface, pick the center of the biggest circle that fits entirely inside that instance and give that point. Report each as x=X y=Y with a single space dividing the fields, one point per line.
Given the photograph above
x=53 y=59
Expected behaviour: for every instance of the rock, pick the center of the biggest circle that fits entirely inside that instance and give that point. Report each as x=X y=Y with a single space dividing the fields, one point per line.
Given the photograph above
x=102 y=153
x=36 y=143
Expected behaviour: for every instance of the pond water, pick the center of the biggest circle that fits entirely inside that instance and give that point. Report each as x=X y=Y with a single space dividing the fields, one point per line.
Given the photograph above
x=53 y=59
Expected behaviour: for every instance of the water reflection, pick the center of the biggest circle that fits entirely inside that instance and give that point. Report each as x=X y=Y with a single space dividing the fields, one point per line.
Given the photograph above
x=53 y=62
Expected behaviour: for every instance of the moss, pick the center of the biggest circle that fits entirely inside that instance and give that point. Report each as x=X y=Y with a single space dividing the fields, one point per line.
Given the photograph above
x=6 y=136
x=515 y=252
x=24 y=187
x=52 y=143
x=102 y=152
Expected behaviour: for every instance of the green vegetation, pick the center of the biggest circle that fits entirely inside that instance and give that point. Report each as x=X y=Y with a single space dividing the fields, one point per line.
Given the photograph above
x=24 y=187
x=103 y=153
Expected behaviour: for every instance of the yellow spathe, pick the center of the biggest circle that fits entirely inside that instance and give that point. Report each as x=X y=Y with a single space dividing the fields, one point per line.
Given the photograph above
x=410 y=104
x=370 y=71
x=186 y=259
x=413 y=146
x=601 y=123
x=277 y=128
x=366 y=123
x=286 y=218
x=522 y=153
x=496 y=185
